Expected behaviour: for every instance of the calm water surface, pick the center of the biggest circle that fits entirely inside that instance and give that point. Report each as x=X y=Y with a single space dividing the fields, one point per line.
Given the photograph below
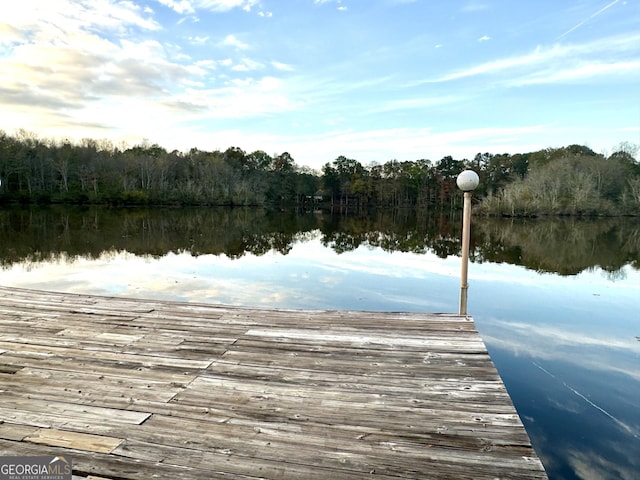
x=556 y=302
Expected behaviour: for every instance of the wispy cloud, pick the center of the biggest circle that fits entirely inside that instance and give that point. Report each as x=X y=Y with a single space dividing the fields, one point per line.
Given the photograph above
x=238 y=99
x=592 y=462
x=550 y=334
x=594 y=15
x=472 y=7
x=580 y=73
x=247 y=65
x=559 y=58
x=415 y=103
x=340 y=7
x=282 y=66
x=225 y=5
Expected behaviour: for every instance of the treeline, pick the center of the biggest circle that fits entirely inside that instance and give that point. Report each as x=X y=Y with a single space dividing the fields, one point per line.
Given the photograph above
x=47 y=171
x=570 y=180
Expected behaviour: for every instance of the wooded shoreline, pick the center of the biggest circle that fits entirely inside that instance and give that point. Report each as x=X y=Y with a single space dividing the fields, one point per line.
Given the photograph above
x=571 y=180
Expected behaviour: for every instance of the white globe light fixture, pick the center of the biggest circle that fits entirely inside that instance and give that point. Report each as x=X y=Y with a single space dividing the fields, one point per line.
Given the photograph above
x=467 y=182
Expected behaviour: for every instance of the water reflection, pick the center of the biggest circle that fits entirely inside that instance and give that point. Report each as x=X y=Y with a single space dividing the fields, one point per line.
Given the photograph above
x=556 y=301
x=564 y=246
x=560 y=245
x=566 y=350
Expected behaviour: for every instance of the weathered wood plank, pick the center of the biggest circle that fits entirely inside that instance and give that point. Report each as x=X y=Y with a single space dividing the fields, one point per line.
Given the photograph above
x=74 y=440
x=104 y=352
x=14 y=431
x=73 y=410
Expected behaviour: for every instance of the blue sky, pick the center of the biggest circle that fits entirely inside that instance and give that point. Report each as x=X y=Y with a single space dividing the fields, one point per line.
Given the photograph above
x=373 y=80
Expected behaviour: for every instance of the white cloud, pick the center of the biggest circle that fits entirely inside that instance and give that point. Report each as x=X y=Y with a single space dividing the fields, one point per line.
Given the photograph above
x=282 y=66
x=54 y=18
x=204 y=64
x=198 y=40
x=340 y=7
x=179 y=6
x=247 y=65
x=225 y=5
x=484 y=38
x=73 y=70
x=10 y=34
x=240 y=98
x=233 y=41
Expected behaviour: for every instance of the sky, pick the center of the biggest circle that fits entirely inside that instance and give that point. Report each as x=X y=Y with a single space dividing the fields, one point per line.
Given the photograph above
x=373 y=80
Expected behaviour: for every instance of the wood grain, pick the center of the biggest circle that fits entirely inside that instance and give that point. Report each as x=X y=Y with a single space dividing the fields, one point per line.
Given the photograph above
x=144 y=388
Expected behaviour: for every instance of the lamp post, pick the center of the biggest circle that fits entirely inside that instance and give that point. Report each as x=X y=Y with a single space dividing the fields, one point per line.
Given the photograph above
x=467 y=182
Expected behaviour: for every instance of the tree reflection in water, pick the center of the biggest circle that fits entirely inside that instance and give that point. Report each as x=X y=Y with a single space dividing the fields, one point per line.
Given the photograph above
x=565 y=246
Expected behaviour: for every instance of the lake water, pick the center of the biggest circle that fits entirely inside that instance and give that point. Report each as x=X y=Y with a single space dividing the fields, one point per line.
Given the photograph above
x=557 y=302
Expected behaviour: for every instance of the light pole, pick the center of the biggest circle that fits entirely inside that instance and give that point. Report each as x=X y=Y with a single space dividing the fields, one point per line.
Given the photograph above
x=467 y=182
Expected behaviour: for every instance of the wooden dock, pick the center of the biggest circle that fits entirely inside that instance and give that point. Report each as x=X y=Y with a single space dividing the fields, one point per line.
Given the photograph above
x=137 y=389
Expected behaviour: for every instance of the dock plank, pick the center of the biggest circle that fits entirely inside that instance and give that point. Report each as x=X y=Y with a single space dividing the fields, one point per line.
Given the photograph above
x=144 y=388
x=74 y=440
